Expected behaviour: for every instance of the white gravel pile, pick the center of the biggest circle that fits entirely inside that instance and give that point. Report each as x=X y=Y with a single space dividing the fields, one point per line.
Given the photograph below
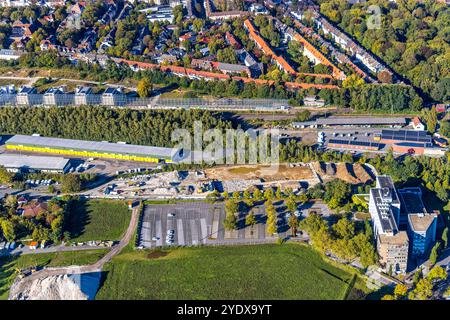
x=62 y=287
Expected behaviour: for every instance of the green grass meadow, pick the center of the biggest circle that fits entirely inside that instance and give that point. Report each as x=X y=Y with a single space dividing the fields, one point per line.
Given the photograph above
x=98 y=220
x=288 y=271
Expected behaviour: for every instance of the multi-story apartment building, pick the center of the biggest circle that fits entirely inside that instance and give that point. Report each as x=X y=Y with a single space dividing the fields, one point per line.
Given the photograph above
x=384 y=208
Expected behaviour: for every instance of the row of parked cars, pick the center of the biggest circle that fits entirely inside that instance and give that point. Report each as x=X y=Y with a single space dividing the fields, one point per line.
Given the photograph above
x=44 y=182
x=9 y=245
x=80 y=168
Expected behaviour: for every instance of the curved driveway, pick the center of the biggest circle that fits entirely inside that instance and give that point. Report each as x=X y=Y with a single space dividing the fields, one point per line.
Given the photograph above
x=96 y=267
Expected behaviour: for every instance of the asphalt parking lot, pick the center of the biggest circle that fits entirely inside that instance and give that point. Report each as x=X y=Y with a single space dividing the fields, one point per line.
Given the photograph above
x=201 y=223
x=191 y=222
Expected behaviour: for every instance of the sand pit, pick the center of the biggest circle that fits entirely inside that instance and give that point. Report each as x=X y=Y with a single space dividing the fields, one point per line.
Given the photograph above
x=263 y=172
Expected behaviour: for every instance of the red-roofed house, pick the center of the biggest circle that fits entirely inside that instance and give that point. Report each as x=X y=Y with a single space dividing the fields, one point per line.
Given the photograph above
x=32 y=209
x=416 y=124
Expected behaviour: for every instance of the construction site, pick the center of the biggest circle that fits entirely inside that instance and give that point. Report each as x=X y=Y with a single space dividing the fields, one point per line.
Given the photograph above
x=199 y=183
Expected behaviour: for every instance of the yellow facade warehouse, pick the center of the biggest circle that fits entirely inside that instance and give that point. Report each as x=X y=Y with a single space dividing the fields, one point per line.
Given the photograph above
x=76 y=148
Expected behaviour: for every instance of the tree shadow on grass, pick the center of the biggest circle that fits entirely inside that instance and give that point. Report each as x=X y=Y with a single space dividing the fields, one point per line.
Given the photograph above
x=377 y=295
x=78 y=218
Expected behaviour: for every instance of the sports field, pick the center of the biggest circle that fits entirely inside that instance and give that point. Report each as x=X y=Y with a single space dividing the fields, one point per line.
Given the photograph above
x=288 y=271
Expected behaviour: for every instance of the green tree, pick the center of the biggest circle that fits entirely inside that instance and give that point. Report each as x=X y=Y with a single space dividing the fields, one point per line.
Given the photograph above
x=303 y=115
x=278 y=193
x=437 y=273
x=430 y=117
x=434 y=253
x=51 y=188
x=445 y=237
x=417 y=276
x=271 y=224
x=293 y=224
x=230 y=221
x=8 y=230
x=144 y=88
x=71 y=183
x=400 y=291
x=422 y=291
x=268 y=194
x=258 y=195
x=250 y=219
x=344 y=228
x=291 y=205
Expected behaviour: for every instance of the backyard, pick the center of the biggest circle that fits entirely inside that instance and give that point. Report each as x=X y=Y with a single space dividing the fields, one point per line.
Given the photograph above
x=288 y=271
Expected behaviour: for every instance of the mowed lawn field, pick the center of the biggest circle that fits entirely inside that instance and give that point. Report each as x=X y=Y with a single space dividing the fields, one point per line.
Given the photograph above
x=288 y=271
x=98 y=220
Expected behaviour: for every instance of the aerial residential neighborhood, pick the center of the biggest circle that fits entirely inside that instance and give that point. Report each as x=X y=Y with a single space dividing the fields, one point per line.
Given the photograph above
x=224 y=150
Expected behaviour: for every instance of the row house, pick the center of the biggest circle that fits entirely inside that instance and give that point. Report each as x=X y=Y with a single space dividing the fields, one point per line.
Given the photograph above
x=231 y=40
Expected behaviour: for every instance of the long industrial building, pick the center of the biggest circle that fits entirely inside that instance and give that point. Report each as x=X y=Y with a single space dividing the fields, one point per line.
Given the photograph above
x=80 y=148
x=352 y=121
x=21 y=163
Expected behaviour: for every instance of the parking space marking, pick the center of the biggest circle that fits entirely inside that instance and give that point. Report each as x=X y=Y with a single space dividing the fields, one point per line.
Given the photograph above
x=159 y=232
x=180 y=232
x=194 y=232
x=215 y=225
x=203 y=229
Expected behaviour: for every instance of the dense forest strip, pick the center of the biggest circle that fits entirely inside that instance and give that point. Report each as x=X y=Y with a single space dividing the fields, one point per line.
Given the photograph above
x=147 y=127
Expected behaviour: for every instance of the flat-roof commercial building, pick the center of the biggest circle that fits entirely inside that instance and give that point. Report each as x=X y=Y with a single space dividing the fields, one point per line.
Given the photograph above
x=402 y=136
x=421 y=224
x=422 y=233
x=360 y=121
x=384 y=208
x=353 y=145
x=26 y=164
x=350 y=122
x=81 y=148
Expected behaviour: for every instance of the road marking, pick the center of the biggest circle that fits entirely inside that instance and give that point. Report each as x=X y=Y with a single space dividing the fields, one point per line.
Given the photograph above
x=203 y=229
x=215 y=225
x=194 y=232
x=180 y=232
x=159 y=233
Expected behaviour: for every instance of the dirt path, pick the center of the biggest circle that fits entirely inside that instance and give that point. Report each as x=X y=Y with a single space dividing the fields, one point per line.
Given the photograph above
x=96 y=267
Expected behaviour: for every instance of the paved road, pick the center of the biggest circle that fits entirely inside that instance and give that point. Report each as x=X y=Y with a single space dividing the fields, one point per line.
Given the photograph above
x=96 y=267
x=51 y=249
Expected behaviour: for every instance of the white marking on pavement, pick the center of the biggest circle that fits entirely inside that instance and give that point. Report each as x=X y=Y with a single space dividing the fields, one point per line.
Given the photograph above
x=159 y=233
x=203 y=229
x=215 y=226
x=180 y=232
x=194 y=232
